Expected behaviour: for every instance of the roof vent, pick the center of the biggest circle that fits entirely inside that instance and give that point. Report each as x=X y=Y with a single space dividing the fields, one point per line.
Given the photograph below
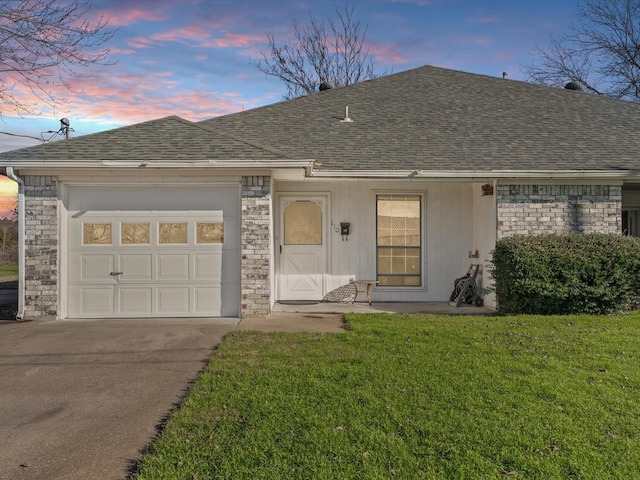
x=573 y=86
x=326 y=86
x=346 y=118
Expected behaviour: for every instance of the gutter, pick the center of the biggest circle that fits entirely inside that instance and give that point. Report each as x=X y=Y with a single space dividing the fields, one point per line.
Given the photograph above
x=21 y=242
x=478 y=175
x=175 y=163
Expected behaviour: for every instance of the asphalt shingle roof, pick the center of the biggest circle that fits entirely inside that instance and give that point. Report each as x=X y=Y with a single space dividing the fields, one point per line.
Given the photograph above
x=427 y=118
x=165 y=139
x=431 y=118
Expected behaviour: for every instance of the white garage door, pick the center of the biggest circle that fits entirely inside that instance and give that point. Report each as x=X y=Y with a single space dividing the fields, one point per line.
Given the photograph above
x=153 y=252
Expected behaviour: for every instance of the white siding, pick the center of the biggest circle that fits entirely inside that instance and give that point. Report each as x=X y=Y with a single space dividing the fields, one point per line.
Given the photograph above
x=448 y=233
x=484 y=235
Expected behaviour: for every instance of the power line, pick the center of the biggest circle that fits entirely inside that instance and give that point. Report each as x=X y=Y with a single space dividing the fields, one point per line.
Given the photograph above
x=25 y=136
x=64 y=130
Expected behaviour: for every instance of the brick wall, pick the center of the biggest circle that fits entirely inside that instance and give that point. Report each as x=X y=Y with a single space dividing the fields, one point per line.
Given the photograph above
x=558 y=209
x=256 y=238
x=42 y=244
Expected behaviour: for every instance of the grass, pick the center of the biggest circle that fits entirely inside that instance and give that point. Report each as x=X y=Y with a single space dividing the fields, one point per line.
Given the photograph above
x=8 y=275
x=411 y=397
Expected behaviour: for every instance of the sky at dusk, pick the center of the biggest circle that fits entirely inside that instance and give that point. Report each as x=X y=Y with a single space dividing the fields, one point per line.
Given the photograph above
x=191 y=58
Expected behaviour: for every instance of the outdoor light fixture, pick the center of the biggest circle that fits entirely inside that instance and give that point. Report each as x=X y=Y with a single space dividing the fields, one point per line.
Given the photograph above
x=487 y=189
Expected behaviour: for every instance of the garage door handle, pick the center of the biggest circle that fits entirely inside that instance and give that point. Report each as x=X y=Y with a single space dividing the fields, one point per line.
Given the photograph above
x=113 y=274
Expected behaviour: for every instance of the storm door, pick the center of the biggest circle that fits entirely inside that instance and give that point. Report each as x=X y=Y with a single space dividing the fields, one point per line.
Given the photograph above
x=302 y=248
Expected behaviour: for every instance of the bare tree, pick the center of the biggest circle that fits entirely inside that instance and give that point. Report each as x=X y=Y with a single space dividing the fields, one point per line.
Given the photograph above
x=602 y=52
x=319 y=53
x=42 y=43
x=9 y=232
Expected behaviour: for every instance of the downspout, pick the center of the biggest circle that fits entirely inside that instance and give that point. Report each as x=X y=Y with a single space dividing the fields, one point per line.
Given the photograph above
x=21 y=229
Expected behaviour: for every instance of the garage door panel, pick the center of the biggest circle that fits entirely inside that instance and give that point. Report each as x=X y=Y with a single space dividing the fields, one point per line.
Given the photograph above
x=136 y=267
x=173 y=267
x=136 y=300
x=173 y=300
x=206 y=300
x=207 y=266
x=97 y=301
x=96 y=267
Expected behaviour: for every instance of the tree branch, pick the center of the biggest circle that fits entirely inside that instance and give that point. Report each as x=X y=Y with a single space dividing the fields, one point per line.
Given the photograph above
x=319 y=53
x=42 y=43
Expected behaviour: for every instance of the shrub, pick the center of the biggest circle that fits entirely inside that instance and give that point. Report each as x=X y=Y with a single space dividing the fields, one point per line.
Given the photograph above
x=565 y=274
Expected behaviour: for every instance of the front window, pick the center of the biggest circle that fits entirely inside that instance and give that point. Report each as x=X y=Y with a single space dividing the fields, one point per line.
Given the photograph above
x=398 y=240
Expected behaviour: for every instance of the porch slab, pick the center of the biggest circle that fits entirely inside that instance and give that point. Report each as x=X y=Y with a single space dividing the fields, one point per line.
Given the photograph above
x=378 y=307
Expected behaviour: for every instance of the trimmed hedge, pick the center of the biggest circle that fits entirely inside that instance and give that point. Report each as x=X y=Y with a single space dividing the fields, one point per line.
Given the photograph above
x=566 y=274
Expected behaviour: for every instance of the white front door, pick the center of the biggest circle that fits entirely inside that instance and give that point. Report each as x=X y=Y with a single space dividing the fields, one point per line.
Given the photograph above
x=303 y=249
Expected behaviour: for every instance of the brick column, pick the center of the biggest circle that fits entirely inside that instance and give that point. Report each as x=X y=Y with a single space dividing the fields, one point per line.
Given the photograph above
x=256 y=241
x=42 y=244
x=558 y=209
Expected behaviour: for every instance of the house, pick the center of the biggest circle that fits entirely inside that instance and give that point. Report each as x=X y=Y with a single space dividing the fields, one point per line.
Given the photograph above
x=406 y=179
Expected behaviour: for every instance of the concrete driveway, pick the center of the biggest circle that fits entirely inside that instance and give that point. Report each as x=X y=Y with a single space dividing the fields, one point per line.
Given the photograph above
x=81 y=399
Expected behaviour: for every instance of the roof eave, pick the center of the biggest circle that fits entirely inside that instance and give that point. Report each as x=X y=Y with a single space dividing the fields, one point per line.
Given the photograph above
x=307 y=165
x=480 y=175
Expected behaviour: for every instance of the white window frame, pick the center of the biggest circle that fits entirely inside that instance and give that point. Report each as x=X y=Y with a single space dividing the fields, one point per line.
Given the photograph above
x=423 y=235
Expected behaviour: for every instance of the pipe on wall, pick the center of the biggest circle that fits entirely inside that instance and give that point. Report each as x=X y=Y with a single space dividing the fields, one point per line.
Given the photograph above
x=21 y=242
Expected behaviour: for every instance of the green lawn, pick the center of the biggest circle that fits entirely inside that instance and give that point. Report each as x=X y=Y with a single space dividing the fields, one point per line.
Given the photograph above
x=411 y=397
x=8 y=277
x=8 y=271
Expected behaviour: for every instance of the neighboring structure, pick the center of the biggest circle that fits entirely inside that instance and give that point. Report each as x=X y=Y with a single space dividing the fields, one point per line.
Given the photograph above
x=405 y=179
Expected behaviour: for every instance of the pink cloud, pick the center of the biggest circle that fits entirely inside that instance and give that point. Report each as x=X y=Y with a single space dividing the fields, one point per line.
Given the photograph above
x=192 y=32
x=197 y=34
x=237 y=40
x=122 y=17
x=386 y=52
x=201 y=35
x=128 y=109
x=140 y=42
x=121 y=51
x=127 y=99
